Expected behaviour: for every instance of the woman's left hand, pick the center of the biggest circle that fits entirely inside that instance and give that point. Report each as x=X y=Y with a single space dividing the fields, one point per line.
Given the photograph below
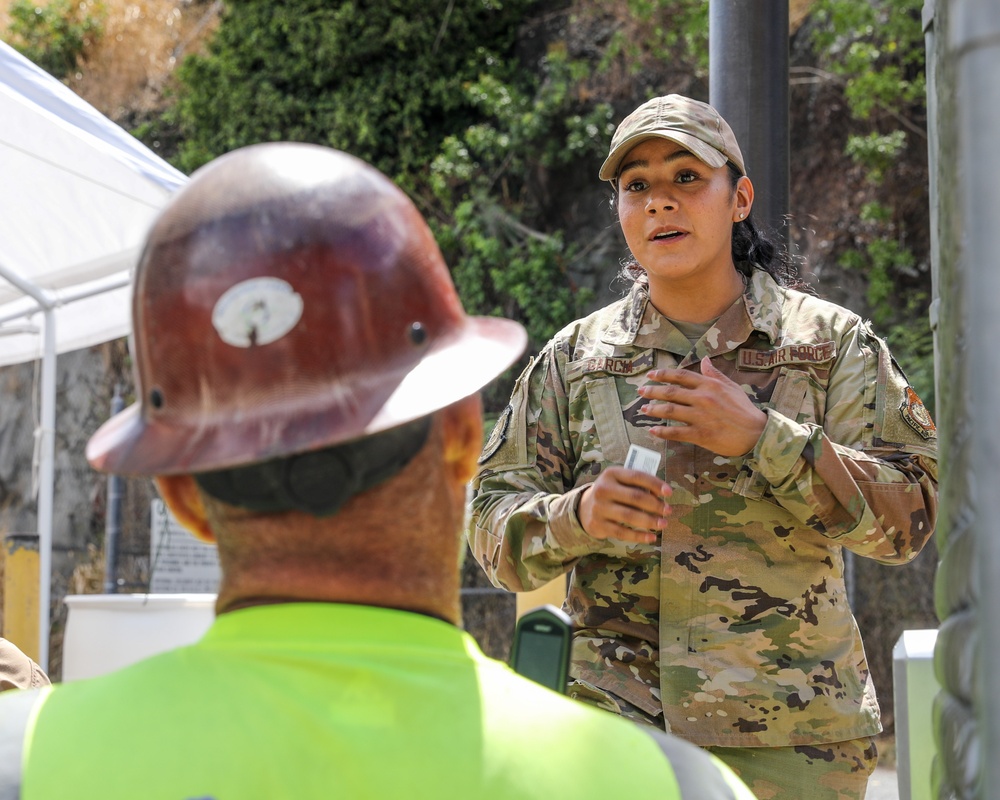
x=712 y=411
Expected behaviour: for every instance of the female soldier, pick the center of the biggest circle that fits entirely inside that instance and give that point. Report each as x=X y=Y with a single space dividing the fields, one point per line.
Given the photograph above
x=709 y=596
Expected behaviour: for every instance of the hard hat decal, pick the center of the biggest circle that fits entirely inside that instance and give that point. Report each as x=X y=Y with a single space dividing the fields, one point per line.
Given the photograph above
x=256 y=312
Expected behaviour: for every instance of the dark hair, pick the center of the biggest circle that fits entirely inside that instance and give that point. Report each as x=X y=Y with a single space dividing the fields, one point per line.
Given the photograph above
x=752 y=248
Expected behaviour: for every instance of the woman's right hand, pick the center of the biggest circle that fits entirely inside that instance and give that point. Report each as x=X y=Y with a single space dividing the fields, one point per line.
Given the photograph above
x=625 y=504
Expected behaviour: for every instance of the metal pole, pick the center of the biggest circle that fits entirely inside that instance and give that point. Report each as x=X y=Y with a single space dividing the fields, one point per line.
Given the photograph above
x=748 y=85
x=928 y=14
x=113 y=521
x=45 y=444
x=46 y=484
x=20 y=591
x=974 y=44
x=63 y=298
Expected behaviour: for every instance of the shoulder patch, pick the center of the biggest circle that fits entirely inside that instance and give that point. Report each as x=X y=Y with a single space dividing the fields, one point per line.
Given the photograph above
x=915 y=415
x=901 y=418
x=498 y=436
x=514 y=432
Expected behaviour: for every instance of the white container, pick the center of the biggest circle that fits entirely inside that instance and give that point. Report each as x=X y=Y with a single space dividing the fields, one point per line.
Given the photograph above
x=914 y=688
x=105 y=632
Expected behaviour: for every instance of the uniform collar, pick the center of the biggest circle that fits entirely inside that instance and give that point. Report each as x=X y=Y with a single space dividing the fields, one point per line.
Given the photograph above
x=639 y=324
x=763 y=300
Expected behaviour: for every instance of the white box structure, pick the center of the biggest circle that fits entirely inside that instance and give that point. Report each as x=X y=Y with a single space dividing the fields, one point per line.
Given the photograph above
x=105 y=632
x=914 y=689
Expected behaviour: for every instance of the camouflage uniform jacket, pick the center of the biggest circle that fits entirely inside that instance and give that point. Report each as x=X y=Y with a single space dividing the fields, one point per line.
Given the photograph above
x=736 y=627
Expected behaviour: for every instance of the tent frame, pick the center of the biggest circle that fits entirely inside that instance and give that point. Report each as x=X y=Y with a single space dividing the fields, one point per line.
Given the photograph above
x=45 y=433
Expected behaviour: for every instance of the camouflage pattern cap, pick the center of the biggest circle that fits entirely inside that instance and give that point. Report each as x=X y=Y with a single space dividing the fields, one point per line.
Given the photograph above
x=692 y=124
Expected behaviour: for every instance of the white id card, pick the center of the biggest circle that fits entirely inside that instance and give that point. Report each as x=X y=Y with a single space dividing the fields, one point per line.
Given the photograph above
x=642 y=459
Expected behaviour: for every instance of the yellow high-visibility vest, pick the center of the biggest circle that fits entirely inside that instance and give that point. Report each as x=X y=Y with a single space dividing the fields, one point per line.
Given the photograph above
x=312 y=700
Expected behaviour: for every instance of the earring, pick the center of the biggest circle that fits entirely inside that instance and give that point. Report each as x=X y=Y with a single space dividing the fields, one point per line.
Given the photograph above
x=742 y=215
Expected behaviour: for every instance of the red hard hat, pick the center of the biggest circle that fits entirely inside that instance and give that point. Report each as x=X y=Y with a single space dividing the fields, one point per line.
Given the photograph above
x=290 y=297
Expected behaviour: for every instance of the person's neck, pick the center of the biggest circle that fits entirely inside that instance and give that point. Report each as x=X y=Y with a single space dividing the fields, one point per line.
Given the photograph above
x=694 y=300
x=397 y=545
x=440 y=601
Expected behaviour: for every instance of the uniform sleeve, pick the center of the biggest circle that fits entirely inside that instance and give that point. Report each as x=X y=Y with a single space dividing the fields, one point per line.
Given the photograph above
x=523 y=526
x=866 y=477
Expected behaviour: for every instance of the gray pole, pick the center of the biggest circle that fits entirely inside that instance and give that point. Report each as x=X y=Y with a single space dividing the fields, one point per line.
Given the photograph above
x=974 y=44
x=113 y=520
x=748 y=85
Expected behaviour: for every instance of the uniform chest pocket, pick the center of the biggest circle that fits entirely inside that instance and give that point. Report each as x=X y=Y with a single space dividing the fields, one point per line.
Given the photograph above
x=790 y=394
x=607 y=420
x=603 y=438
x=798 y=396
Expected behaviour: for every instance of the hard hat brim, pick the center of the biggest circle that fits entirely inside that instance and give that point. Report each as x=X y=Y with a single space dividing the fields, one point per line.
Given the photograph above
x=131 y=443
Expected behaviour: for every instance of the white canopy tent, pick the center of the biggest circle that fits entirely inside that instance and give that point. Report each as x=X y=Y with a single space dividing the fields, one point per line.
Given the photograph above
x=77 y=196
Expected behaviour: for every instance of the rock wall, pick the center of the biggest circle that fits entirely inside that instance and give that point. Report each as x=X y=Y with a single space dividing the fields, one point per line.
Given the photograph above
x=86 y=381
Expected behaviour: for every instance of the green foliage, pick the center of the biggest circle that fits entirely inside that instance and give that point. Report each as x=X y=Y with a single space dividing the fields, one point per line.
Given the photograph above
x=889 y=266
x=485 y=185
x=380 y=80
x=877 y=49
x=669 y=31
x=887 y=257
x=505 y=269
x=883 y=260
x=54 y=36
x=876 y=152
x=427 y=91
x=875 y=212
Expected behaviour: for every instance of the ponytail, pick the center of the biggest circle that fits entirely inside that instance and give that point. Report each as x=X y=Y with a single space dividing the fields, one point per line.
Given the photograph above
x=753 y=248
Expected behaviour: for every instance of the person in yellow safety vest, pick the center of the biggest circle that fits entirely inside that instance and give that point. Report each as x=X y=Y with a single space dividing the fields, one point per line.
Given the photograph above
x=307 y=398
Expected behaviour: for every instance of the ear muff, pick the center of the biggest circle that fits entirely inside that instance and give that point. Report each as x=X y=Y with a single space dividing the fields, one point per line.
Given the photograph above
x=321 y=481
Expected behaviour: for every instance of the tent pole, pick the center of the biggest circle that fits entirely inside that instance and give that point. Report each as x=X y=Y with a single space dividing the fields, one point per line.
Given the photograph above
x=113 y=523
x=46 y=449
x=46 y=482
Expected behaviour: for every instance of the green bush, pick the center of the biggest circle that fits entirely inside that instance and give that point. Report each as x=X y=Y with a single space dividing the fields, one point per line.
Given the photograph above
x=380 y=80
x=876 y=152
x=55 y=35
x=488 y=203
x=667 y=31
x=429 y=92
x=877 y=50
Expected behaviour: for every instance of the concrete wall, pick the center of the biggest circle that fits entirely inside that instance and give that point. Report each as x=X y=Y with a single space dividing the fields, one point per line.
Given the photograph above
x=963 y=40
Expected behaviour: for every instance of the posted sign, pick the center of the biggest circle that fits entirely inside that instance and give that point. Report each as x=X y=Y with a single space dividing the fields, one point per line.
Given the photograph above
x=179 y=562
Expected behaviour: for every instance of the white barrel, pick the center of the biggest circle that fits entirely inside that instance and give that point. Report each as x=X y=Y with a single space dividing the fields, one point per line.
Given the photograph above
x=105 y=632
x=914 y=688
